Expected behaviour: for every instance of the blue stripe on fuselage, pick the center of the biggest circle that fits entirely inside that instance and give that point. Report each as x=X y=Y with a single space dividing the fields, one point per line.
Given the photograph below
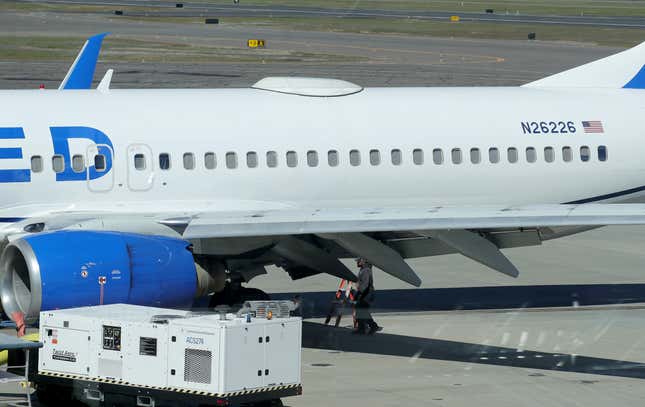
x=608 y=196
x=11 y=220
x=15 y=176
x=11 y=133
x=13 y=152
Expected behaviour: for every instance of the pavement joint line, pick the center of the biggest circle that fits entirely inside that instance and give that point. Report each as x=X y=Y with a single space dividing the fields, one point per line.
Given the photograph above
x=583 y=308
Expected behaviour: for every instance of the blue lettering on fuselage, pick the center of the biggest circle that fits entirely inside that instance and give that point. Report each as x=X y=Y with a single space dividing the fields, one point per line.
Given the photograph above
x=13 y=175
x=60 y=140
x=61 y=137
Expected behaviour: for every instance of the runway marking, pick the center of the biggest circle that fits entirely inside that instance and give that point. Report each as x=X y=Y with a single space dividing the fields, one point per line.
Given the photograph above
x=541 y=338
x=415 y=357
x=523 y=338
x=382 y=14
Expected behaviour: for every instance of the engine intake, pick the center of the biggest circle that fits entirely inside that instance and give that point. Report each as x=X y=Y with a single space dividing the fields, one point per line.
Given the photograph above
x=66 y=269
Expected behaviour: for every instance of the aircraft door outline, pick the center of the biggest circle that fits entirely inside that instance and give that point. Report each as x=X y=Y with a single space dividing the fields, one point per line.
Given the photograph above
x=99 y=159
x=140 y=167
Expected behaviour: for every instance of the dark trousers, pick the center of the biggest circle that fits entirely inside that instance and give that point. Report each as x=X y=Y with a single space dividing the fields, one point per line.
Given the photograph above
x=363 y=316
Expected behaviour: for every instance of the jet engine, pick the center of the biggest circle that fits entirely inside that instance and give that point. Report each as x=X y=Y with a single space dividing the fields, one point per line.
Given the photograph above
x=66 y=269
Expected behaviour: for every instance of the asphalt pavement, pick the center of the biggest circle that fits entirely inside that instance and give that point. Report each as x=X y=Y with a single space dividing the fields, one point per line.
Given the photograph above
x=189 y=9
x=387 y=60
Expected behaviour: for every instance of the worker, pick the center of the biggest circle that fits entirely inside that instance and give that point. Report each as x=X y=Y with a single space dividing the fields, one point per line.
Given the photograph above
x=19 y=318
x=364 y=299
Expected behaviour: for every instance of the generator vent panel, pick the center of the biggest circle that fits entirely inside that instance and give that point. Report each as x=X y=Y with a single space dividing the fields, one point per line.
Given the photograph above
x=147 y=346
x=112 y=369
x=197 y=365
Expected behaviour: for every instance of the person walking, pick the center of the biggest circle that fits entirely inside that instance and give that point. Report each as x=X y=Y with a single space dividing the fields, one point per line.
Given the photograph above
x=364 y=299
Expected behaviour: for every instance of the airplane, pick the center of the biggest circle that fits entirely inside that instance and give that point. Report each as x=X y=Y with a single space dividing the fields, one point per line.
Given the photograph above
x=157 y=197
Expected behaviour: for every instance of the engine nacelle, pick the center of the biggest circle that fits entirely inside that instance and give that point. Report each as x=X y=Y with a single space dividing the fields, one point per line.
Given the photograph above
x=66 y=269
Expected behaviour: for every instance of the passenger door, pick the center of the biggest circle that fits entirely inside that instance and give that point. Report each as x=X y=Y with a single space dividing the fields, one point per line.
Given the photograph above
x=140 y=167
x=100 y=174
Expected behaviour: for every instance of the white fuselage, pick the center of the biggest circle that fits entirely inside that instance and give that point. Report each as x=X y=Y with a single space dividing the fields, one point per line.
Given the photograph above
x=176 y=122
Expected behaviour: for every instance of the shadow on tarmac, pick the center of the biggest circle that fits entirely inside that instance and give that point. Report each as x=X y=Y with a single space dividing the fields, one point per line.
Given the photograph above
x=317 y=304
x=318 y=336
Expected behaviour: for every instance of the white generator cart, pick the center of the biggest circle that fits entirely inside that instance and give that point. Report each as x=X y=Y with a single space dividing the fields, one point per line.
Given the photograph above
x=144 y=356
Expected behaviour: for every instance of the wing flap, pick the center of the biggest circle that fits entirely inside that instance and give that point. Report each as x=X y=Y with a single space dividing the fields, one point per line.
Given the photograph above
x=342 y=220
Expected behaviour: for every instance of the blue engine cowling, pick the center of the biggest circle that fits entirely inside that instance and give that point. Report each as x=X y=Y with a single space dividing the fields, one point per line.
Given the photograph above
x=66 y=269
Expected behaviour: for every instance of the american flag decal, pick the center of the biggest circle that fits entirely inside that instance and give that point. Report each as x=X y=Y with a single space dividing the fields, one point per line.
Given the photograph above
x=593 y=126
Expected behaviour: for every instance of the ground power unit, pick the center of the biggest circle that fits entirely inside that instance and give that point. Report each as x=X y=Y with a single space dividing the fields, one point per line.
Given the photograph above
x=163 y=355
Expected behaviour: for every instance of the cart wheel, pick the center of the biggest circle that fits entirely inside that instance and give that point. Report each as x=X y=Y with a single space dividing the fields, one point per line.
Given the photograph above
x=269 y=403
x=52 y=395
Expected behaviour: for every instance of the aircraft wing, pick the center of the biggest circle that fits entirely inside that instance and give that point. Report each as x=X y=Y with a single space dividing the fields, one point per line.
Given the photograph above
x=341 y=220
x=468 y=230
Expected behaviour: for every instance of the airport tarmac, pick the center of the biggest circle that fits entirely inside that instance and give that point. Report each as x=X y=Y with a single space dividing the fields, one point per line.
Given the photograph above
x=201 y=9
x=385 y=60
x=565 y=357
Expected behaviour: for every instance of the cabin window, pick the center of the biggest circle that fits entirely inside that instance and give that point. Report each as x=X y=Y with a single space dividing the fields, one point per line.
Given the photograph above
x=312 y=158
x=272 y=159
x=355 y=158
x=292 y=159
x=417 y=156
x=332 y=158
x=58 y=163
x=164 y=161
x=567 y=154
x=36 y=163
x=456 y=155
x=139 y=162
x=493 y=155
x=512 y=155
x=210 y=161
x=475 y=156
x=602 y=153
x=252 y=159
x=231 y=160
x=531 y=155
x=375 y=157
x=78 y=163
x=437 y=156
x=99 y=162
x=549 y=154
x=397 y=157
x=585 y=153
x=189 y=161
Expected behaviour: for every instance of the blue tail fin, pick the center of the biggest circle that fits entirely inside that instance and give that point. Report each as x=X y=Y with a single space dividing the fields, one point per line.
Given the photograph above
x=81 y=72
x=623 y=70
x=638 y=81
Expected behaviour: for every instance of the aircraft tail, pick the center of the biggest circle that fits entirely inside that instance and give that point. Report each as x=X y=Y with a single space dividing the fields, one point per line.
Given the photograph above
x=81 y=72
x=623 y=70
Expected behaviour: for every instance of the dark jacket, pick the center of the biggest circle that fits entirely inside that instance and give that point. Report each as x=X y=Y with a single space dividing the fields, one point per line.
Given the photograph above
x=365 y=284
